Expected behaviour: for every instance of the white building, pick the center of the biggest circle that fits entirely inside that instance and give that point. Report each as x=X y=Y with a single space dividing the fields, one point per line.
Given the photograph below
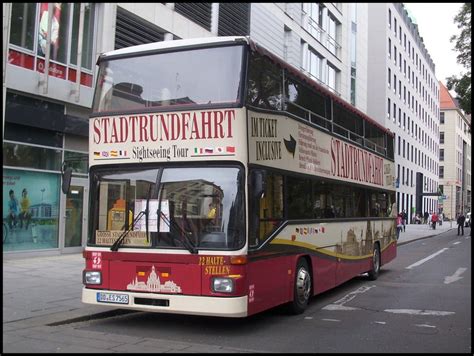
x=403 y=95
x=328 y=41
x=454 y=156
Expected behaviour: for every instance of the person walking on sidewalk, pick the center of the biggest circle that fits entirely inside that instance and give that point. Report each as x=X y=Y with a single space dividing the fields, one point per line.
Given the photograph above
x=404 y=219
x=425 y=218
x=461 y=219
x=399 y=223
x=434 y=220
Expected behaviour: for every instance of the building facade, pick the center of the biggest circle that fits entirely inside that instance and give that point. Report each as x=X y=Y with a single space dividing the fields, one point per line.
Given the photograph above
x=403 y=94
x=455 y=157
x=46 y=108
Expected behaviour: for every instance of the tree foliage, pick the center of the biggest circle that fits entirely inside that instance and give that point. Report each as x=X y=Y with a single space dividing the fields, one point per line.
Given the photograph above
x=462 y=85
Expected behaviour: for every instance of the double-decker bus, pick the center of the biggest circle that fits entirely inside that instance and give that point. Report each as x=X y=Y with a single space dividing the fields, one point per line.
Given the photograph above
x=224 y=182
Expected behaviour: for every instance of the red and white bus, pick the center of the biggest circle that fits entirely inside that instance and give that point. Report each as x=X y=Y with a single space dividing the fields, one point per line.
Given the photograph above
x=225 y=182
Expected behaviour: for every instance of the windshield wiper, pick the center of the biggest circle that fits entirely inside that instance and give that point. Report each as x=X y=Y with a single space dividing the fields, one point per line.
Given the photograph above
x=122 y=236
x=186 y=241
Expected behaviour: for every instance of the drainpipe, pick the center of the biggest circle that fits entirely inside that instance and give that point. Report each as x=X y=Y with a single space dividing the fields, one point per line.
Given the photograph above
x=6 y=40
x=79 y=51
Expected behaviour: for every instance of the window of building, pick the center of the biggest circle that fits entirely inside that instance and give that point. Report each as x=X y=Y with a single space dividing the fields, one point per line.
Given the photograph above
x=441 y=117
x=441 y=171
x=441 y=154
x=331 y=77
x=28 y=32
x=441 y=137
x=22 y=28
x=40 y=193
x=315 y=64
x=88 y=35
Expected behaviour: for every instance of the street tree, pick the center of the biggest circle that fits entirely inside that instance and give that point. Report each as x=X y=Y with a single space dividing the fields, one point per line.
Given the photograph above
x=462 y=85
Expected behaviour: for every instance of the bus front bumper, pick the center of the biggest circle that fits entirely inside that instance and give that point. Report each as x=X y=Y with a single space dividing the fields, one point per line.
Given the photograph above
x=233 y=307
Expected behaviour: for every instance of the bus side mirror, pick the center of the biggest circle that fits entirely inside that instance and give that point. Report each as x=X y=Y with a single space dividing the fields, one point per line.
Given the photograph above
x=67 y=175
x=259 y=183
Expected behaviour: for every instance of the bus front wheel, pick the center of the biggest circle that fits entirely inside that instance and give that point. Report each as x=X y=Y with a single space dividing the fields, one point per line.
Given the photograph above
x=375 y=270
x=302 y=288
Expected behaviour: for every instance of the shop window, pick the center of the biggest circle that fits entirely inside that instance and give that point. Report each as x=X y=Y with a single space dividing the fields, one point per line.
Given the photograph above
x=23 y=25
x=88 y=35
x=59 y=31
x=31 y=210
x=77 y=161
x=19 y=155
x=29 y=31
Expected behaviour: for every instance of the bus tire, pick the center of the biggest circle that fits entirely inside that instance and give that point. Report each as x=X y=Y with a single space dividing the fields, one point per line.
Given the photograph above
x=302 y=288
x=375 y=270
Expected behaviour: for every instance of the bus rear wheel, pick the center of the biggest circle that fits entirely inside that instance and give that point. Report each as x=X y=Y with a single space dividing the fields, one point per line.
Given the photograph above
x=302 y=288
x=375 y=270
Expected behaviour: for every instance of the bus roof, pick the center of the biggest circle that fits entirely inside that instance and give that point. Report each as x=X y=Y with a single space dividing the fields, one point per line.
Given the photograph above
x=196 y=42
x=190 y=42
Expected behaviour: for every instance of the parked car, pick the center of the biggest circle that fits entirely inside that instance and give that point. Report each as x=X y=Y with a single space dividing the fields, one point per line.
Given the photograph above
x=467 y=223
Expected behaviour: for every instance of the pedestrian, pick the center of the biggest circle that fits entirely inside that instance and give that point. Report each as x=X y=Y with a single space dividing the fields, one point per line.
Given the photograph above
x=399 y=223
x=425 y=217
x=404 y=219
x=461 y=219
x=434 y=220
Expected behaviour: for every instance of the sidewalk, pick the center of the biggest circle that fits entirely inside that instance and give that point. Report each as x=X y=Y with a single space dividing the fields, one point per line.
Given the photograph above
x=45 y=290
x=421 y=231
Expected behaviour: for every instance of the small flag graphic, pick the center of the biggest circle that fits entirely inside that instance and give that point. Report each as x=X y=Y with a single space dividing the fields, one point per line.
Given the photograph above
x=114 y=153
x=97 y=154
x=230 y=149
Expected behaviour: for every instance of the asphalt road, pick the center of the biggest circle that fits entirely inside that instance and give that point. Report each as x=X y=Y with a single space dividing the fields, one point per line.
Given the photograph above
x=421 y=302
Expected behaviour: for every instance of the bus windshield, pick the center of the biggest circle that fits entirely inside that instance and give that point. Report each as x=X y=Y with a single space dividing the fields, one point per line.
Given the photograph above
x=194 y=77
x=189 y=208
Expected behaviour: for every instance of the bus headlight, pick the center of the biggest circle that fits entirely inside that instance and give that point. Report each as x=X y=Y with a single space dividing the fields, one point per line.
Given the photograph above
x=92 y=277
x=222 y=285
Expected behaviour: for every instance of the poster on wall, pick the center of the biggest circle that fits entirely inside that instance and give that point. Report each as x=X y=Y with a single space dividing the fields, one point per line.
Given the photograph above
x=30 y=210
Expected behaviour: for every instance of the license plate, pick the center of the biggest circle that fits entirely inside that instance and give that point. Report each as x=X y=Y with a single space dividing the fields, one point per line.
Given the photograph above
x=112 y=298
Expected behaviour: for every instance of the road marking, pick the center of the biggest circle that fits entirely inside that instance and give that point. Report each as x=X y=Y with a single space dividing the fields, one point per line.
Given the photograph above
x=336 y=320
x=419 y=312
x=425 y=326
x=456 y=276
x=338 y=307
x=380 y=322
x=426 y=258
x=308 y=317
x=339 y=304
x=457 y=243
